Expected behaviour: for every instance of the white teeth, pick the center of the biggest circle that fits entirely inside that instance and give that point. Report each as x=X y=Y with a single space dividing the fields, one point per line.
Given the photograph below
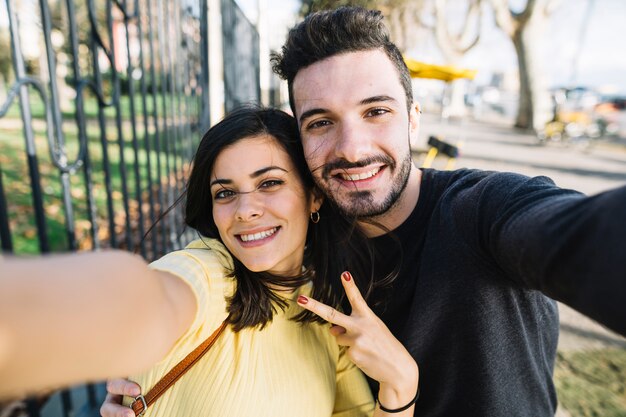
x=260 y=235
x=362 y=176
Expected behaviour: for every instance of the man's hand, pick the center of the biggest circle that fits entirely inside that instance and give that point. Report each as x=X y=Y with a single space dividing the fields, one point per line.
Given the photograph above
x=116 y=389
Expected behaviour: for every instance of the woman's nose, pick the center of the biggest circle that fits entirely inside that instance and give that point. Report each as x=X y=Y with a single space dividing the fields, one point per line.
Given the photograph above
x=249 y=206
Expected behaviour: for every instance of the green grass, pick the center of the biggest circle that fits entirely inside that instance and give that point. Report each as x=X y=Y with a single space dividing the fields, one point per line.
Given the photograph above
x=90 y=107
x=592 y=383
x=17 y=187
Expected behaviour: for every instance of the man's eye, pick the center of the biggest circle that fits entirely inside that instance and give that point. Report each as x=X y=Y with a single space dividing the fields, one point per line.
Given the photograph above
x=317 y=124
x=377 y=112
x=224 y=194
x=271 y=184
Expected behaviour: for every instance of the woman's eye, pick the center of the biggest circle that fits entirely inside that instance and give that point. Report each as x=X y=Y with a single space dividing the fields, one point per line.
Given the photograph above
x=223 y=194
x=271 y=184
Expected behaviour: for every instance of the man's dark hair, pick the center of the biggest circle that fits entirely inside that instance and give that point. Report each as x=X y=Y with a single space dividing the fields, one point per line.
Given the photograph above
x=332 y=32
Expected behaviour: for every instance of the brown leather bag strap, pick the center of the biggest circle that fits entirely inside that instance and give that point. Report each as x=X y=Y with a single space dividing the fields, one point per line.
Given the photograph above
x=142 y=402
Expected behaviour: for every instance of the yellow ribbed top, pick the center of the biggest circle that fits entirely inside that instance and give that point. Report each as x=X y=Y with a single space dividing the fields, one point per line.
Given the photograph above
x=285 y=370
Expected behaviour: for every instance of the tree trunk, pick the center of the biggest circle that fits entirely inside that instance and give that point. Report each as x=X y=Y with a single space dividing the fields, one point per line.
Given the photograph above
x=534 y=100
x=526 y=30
x=454 y=45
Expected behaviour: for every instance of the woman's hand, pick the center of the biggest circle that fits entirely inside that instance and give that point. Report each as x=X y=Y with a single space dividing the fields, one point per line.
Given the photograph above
x=116 y=389
x=371 y=346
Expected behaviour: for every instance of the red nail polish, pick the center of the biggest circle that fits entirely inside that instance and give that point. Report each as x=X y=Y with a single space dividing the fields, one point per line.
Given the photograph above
x=347 y=276
x=302 y=299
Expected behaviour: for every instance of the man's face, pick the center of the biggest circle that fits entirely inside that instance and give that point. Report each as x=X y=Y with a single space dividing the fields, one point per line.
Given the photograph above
x=355 y=128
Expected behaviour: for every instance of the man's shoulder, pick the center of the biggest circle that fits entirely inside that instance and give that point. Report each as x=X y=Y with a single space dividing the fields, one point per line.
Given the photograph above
x=474 y=183
x=469 y=177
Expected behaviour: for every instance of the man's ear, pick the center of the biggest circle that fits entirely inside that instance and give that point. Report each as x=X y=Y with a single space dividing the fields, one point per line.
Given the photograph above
x=414 y=116
x=414 y=122
x=317 y=199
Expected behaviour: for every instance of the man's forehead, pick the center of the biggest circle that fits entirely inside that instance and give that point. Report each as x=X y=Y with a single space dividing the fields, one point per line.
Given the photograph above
x=346 y=78
x=367 y=61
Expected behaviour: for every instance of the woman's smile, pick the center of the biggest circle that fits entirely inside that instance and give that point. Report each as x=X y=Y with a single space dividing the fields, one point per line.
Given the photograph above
x=251 y=239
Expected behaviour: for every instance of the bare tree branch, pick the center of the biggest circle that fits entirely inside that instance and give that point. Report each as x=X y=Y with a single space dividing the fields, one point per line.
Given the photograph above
x=454 y=46
x=505 y=18
x=419 y=14
x=470 y=35
x=551 y=6
x=531 y=7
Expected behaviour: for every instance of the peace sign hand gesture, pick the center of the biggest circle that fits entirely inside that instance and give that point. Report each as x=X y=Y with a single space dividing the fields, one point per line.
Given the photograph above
x=371 y=346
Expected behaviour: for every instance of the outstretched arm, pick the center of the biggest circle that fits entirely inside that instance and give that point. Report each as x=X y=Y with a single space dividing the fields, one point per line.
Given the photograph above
x=70 y=318
x=373 y=348
x=570 y=247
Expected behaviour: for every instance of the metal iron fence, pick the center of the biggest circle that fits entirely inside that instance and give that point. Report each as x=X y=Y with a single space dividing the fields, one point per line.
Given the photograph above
x=240 y=41
x=102 y=104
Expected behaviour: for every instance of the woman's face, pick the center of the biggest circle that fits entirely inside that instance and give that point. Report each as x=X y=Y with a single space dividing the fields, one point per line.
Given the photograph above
x=260 y=206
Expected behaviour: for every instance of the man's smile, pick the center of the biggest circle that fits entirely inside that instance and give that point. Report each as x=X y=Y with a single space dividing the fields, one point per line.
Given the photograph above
x=359 y=176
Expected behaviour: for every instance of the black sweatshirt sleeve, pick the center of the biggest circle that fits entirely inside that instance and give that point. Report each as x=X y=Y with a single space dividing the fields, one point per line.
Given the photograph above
x=567 y=245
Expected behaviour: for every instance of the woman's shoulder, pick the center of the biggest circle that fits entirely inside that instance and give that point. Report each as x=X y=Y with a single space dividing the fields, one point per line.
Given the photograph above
x=207 y=253
x=211 y=250
x=204 y=262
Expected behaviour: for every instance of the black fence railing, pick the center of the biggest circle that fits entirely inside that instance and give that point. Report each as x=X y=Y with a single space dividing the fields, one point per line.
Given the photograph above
x=240 y=43
x=102 y=104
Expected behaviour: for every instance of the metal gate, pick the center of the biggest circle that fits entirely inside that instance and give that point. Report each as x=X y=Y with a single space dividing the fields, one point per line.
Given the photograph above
x=240 y=41
x=102 y=104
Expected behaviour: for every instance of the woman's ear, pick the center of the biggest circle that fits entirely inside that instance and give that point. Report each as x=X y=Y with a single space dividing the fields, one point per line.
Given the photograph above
x=317 y=199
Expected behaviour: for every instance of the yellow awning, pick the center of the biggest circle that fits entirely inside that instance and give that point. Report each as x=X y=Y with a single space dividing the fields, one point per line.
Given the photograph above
x=446 y=73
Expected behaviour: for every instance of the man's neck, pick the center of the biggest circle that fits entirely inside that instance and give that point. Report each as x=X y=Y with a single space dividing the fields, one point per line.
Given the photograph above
x=399 y=212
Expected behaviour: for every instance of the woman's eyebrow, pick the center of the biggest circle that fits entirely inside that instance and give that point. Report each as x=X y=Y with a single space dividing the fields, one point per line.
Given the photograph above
x=255 y=174
x=262 y=171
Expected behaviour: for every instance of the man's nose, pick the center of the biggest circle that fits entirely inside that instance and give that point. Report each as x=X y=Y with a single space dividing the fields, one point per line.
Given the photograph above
x=353 y=142
x=249 y=206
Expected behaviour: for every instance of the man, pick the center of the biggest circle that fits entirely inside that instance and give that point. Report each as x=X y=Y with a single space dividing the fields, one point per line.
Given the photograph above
x=478 y=250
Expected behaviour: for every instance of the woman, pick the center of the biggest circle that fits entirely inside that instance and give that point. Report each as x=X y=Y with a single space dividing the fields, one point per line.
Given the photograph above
x=268 y=248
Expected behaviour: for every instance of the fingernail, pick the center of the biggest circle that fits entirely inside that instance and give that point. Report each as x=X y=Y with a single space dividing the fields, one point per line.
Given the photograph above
x=302 y=299
x=347 y=276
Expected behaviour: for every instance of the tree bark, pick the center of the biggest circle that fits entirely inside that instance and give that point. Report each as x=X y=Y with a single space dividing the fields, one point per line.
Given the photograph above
x=453 y=47
x=534 y=100
x=526 y=29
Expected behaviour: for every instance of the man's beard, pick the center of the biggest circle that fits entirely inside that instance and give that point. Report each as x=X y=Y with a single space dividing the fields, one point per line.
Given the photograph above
x=361 y=204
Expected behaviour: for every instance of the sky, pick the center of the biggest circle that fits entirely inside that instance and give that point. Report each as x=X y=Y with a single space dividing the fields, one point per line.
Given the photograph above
x=601 y=56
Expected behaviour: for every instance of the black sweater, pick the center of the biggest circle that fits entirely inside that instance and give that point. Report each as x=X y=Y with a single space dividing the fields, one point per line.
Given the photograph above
x=478 y=254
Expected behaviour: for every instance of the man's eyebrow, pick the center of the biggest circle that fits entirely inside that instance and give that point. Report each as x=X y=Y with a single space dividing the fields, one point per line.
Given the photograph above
x=255 y=174
x=376 y=99
x=311 y=112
